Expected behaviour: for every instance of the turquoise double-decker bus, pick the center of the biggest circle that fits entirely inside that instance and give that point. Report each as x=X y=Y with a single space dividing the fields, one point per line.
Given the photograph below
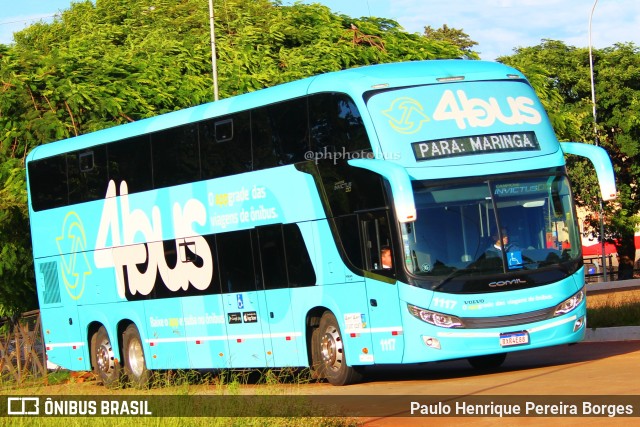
x=390 y=214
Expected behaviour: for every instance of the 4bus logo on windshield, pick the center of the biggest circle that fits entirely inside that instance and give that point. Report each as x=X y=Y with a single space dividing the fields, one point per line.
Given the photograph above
x=407 y=116
x=477 y=112
x=138 y=264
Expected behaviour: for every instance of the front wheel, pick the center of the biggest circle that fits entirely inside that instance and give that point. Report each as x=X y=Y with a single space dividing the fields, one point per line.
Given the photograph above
x=135 y=366
x=489 y=361
x=329 y=360
x=106 y=364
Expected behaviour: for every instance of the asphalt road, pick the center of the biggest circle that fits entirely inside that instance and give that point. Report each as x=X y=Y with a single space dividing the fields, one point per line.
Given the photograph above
x=587 y=375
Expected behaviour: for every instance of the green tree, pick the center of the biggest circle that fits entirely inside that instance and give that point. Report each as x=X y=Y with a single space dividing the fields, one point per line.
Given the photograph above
x=454 y=36
x=563 y=71
x=108 y=62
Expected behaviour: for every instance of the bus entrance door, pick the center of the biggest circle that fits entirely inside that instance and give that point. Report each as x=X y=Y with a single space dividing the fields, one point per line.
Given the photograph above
x=384 y=321
x=284 y=339
x=244 y=330
x=384 y=324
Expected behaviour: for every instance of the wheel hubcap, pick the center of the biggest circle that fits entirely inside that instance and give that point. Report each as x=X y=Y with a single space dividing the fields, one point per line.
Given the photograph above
x=105 y=358
x=136 y=358
x=331 y=348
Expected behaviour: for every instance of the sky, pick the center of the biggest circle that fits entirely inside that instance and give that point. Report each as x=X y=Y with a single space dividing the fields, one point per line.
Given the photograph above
x=498 y=26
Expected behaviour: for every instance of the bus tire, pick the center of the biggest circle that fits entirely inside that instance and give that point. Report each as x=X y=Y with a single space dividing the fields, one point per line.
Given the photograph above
x=135 y=367
x=329 y=354
x=488 y=361
x=315 y=354
x=107 y=367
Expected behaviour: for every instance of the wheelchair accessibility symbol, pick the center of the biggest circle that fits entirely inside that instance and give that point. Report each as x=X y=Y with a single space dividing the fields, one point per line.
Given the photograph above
x=240 y=302
x=514 y=259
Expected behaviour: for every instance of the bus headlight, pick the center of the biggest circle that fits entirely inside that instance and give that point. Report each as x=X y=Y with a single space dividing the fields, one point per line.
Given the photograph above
x=569 y=304
x=435 y=318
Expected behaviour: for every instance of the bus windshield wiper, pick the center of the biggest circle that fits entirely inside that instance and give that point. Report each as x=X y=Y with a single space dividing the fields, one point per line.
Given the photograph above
x=451 y=276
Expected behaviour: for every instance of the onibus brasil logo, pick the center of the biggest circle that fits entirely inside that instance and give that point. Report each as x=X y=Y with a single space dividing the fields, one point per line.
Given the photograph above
x=72 y=244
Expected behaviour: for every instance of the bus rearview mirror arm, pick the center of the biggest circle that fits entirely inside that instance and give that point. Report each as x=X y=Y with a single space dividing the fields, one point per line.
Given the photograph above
x=400 y=182
x=601 y=162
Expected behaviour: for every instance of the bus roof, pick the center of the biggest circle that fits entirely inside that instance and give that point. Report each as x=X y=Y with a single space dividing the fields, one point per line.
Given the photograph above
x=354 y=81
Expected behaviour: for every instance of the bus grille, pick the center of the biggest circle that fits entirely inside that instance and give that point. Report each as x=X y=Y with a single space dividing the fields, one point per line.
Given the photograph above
x=512 y=320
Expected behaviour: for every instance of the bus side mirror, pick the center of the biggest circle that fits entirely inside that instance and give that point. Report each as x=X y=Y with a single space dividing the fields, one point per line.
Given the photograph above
x=600 y=160
x=402 y=191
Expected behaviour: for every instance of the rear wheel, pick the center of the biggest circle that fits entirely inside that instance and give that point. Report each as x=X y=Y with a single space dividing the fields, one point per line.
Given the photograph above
x=316 y=358
x=489 y=361
x=328 y=354
x=106 y=364
x=135 y=366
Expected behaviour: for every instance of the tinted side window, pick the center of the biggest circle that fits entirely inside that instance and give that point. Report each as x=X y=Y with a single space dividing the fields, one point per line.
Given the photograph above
x=225 y=145
x=349 y=238
x=376 y=234
x=175 y=156
x=280 y=133
x=130 y=161
x=299 y=268
x=351 y=189
x=291 y=122
x=87 y=173
x=335 y=123
x=264 y=139
x=235 y=261
x=48 y=183
x=272 y=257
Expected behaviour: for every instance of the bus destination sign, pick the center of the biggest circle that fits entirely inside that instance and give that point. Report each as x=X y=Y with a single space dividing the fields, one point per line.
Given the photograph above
x=479 y=144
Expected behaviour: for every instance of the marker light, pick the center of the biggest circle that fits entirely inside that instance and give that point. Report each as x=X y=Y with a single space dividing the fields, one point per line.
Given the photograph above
x=570 y=303
x=435 y=318
x=450 y=79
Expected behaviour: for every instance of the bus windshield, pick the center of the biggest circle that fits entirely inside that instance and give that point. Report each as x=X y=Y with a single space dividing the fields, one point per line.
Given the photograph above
x=491 y=227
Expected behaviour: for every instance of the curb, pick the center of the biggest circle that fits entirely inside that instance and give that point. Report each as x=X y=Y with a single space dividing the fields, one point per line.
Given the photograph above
x=618 y=333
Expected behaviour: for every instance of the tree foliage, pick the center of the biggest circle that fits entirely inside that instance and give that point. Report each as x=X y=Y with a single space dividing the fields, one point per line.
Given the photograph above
x=108 y=62
x=561 y=76
x=454 y=36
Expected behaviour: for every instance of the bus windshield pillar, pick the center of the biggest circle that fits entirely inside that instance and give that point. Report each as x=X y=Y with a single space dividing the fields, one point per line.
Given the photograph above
x=400 y=182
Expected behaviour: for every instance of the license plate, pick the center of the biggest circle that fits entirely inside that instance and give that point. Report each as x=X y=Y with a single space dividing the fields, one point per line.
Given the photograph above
x=514 y=338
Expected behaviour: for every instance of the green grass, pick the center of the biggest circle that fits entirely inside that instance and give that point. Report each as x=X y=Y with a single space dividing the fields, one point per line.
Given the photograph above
x=621 y=308
x=267 y=392
x=175 y=421
x=618 y=314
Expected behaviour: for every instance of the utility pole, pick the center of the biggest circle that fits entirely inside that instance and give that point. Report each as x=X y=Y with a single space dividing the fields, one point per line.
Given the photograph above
x=214 y=66
x=595 y=131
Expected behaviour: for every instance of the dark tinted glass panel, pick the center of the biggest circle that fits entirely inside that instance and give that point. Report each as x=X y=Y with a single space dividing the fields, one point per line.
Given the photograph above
x=87 y=172
x=349 y=238
x=130 y=161
x=376 y=233
x=274 y=273
x=299 y=267
x=264 y=139
x=335 y=124
x=350 y=189
x=291 y=121
x=175 y=156
x=225 y=145
x=235 y=260
x=48 y=183
x=280 y=133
